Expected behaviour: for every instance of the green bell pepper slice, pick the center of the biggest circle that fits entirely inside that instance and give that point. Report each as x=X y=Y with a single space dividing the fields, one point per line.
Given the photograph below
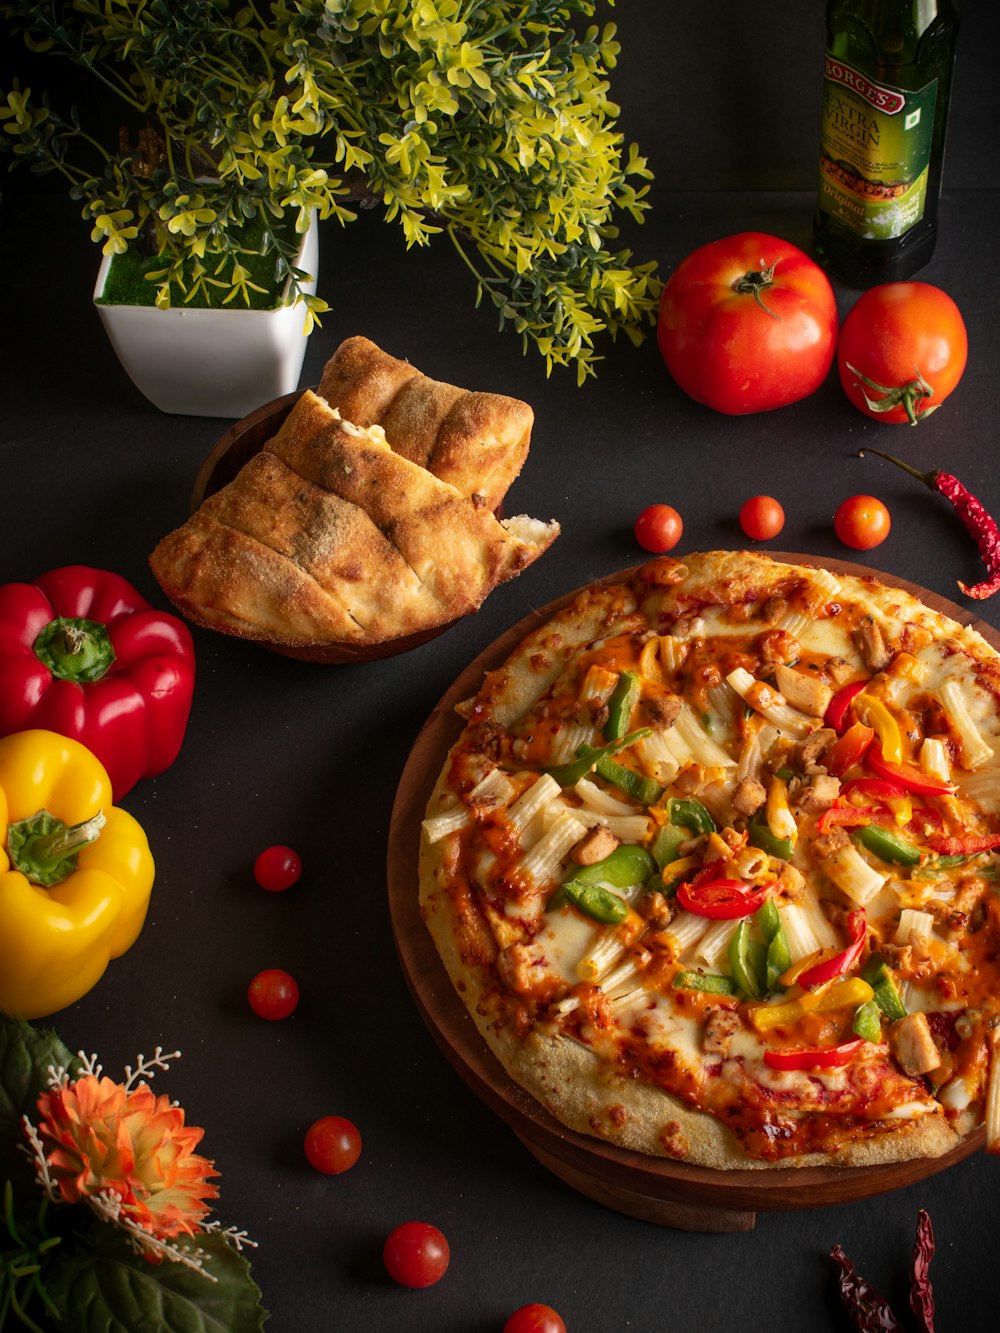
x=868 y=1021
x=888 y=846
x=747 y=961
x=761 y=836
x=642 y=789
x=690 y=814
x=595 y=901
x=667 y=844
x=710 y=982
x=777 y=958
x=887 y=997
x=624 y=698
x=568 y=775
x=625 y=867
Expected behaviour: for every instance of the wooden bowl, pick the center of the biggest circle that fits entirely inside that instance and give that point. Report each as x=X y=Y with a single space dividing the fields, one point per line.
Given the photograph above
x=241 y=441
x=658 y=1190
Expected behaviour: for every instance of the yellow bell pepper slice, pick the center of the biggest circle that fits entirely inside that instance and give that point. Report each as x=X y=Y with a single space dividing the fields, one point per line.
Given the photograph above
x=835 y=995
x=873 y=713
x=57 y=940
x=778 y=813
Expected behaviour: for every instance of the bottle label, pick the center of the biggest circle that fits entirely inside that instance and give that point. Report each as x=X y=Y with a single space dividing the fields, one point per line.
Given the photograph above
x=875 y=154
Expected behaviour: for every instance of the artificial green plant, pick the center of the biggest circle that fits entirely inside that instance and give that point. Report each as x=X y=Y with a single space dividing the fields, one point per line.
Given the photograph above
x=489 y=122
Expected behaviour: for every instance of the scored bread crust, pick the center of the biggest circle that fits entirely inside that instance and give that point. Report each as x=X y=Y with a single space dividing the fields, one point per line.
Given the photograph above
x=331 y=536
x=475 y=441
x=578 y=1087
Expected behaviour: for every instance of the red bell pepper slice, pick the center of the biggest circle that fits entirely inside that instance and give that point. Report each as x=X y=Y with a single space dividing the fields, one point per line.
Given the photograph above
x=857 y=925
x=849 y=816
x=826 y=1057
x=837 y=708
x=82 y=653
x=905 y=775
x=721 y=899
x=849 y=749
x=971 y=845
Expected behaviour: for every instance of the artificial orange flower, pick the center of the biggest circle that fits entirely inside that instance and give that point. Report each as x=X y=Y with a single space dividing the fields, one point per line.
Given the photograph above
x=103 y=1139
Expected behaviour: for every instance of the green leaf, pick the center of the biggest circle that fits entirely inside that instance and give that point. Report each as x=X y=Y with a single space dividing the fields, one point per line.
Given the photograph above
x=26 y=1053
x=105 y=1287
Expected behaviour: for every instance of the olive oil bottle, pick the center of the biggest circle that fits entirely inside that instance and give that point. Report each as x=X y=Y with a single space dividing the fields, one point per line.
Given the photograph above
x=886 y=89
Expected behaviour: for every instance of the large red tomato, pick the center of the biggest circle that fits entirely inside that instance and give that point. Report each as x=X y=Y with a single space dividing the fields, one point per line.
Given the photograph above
x=748 y=323
x=902 y=350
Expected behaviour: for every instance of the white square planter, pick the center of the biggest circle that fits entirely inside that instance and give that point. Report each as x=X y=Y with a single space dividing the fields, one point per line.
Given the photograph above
x=211 y=363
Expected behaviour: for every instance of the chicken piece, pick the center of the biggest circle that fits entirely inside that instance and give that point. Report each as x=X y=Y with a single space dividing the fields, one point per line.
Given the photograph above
x=716 y=849
x=749 y=796
x=719 y=1030
x=871 y=645
x=656 y=908
x=819 y=794
x=660 y=711
x=803 y=691
x=597 y=843
x=838 y=670
x=913 y=1045
x=814 y=747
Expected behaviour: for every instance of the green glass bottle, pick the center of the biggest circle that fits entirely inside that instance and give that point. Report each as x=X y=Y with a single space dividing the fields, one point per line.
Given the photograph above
x=886 y=89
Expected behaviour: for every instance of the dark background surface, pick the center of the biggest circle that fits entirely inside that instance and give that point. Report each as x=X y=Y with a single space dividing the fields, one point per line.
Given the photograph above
x=724 y=98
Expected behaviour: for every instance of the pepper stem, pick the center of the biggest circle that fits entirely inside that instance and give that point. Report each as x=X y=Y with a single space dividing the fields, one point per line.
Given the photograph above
x=74 y=648
x=926 y=477
x=755 y=282
x=44 y=849
x=910 y=396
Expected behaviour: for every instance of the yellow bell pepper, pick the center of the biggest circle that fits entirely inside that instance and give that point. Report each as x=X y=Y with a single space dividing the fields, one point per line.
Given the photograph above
x=873 y=713
x=75 y=873
x=834 y=995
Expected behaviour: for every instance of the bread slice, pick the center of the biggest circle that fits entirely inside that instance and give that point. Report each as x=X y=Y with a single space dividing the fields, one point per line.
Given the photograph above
x=476 y=441
x=330 y=536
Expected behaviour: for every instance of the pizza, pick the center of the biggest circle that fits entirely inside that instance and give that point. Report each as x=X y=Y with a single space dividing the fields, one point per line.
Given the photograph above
x=715 y=866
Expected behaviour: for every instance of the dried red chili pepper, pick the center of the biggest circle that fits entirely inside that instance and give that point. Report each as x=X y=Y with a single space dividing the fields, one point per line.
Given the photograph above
x=978 y=521
x=867 y=1307
x=921 y=1293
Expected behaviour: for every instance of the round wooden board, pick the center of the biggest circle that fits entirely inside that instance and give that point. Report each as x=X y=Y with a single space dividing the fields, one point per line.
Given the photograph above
x=658 y=1190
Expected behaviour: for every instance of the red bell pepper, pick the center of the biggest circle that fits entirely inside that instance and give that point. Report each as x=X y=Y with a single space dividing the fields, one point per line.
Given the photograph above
x=838 y=707
x=970 y=845
x=906 y=776
x=849 y=816
x=849 y=749
x=83 y=654
x=825 y=1057
x=857 y=925
x=722 y=899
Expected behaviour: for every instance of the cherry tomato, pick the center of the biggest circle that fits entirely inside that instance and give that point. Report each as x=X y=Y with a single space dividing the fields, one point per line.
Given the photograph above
x=273 y=994
x=332 y=1145
x=862 y=522
x=762 y=518
x=748 y=323
x=277 y=868
x=534 y=1319
x=902 y=350
x=416 y=1255
x=659 y=528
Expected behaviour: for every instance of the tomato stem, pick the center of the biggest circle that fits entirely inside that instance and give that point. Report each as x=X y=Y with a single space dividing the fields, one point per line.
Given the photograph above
x=910 y=396
x=755 y=282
